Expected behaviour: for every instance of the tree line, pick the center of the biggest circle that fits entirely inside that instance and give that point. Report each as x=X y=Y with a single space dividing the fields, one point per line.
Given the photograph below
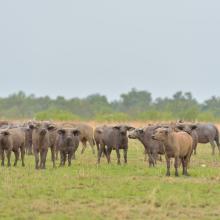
x=134 y=105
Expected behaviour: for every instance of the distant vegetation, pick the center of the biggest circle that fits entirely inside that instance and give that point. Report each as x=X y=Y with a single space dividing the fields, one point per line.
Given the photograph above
x=134 y=105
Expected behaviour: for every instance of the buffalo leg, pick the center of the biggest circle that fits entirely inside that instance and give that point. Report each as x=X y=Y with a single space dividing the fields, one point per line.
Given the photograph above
x=64 y=158
x=22 y=156
x=151 y=160
x=57 y=153
x=97 y=146
x=168 y=166
x=101 y=150
x=213 y=147
x=194 y=148
x=29 y=149
x=53 y=156
x=44 y=158
x=118 y=156
x=176 y=163
x=125 y=155
x=2 y=157
x=218 y=144
x=16 y=152
x=61 y=158
x=194 y=151
x=108 y=154
x=9 y=157
x=41 y=159
x=185 y=161
x=70 y=155
x=145 y=155
x=36 y=154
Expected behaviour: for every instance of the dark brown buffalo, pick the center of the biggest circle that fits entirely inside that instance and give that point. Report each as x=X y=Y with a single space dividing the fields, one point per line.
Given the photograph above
x=178 y=145
x=114 y=138
x=152 y=147
x=86 y=134
x=67 y=142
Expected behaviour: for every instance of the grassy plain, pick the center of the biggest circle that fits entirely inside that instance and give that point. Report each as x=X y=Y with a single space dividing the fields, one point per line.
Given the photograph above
x=132 y=191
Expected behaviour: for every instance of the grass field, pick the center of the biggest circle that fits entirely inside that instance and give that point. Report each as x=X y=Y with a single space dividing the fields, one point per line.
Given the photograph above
x=134 y=191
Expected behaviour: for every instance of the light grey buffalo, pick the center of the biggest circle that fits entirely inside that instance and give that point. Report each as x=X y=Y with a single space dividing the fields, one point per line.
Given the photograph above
x=12 y=140
x=207 y=133
x=114 y=138
x=191 y=130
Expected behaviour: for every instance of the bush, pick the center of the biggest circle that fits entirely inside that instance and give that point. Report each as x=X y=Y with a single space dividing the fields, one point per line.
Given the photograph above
x=56 y=114
x=155 y=116
x=207 y=116
x=112 y=117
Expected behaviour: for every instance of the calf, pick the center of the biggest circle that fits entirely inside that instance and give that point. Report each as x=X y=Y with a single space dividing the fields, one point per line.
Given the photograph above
x=12 y=140
x=178 y=145
x=86 y=134
x=40 y=138
x=67 y=142
x=98 y=136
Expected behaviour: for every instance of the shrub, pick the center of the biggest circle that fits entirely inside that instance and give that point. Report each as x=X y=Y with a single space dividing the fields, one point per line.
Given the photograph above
x=56 y=114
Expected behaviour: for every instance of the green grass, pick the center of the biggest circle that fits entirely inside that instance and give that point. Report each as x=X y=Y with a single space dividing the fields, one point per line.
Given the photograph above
x=134 y=191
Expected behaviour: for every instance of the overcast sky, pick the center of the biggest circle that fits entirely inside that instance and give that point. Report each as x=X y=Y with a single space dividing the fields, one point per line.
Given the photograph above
x=77 y=48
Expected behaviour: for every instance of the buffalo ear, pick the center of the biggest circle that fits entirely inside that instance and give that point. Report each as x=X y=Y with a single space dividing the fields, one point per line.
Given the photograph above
x=50 y=127
x=31 y=126
x=99 y=131
x=61 y=131
x=116 y=127
x=180 y=127
x=130 y=128
x=5 y=133
x=76 y=132
x=141 y=131
x=193 y=127
x=181 y=121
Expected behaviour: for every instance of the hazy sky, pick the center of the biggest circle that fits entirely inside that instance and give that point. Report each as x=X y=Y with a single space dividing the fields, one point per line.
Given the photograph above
x=77 y=48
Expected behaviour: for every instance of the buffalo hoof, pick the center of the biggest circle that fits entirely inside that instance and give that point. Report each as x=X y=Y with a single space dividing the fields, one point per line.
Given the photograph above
x=23 y=165
x=176 y=174
x=167 y=174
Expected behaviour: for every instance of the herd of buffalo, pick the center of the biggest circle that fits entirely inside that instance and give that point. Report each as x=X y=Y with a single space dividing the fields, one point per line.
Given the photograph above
x=174 y=140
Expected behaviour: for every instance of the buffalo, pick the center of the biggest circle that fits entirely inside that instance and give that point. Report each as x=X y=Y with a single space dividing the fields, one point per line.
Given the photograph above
x=67 y=142
x=178 y=145
x=152 y=147
x=114 y=138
